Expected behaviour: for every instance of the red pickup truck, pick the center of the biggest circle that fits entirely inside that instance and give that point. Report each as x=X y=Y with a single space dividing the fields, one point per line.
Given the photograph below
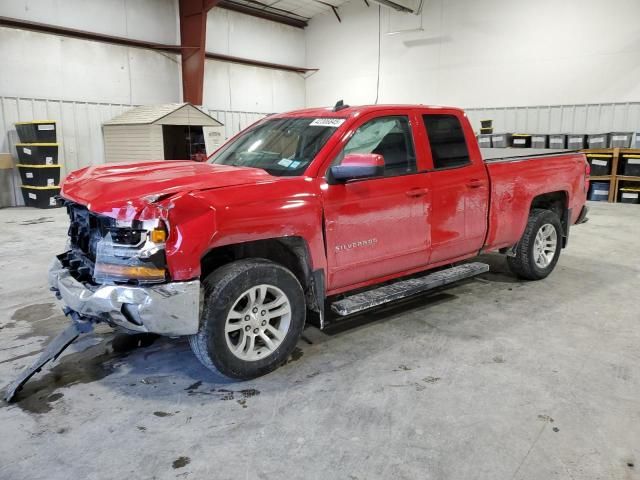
x=315 y=208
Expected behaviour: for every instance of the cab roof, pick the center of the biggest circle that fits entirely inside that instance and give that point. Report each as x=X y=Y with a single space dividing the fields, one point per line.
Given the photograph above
x=349 y=111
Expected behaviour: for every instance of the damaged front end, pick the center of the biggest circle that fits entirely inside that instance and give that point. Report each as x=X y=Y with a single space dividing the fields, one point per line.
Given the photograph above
x=114 y=271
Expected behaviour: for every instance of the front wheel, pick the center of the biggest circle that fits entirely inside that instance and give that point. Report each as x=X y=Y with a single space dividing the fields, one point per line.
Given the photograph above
x=254 y=312
x=539 y=248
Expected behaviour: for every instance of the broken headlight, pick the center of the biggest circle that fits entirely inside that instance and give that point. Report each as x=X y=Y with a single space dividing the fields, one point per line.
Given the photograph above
x=126 y=254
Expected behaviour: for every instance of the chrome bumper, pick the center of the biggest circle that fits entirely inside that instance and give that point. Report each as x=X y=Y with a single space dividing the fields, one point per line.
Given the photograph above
x=170 y=309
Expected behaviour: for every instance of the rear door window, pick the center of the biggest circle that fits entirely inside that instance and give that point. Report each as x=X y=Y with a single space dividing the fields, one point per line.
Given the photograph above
x=447 y=141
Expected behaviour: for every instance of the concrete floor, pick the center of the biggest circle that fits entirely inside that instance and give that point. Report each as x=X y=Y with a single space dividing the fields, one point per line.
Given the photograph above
x=493 y=379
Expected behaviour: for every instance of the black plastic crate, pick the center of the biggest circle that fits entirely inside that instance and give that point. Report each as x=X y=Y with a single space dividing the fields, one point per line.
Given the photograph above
x=631 y=165
x=539 y=141
x=501 y=140
x=40 y=175
x=600 y=164
x=486 y=123
x=558 y=140
x=598 y=140
x=37 y=153
x=484 y=141
x=576 y=141
x=599 y=191
x=629 y=195
x=521 y=140
x=39 y=131
x=40 y=197
x=486 y=130
x=620 y=139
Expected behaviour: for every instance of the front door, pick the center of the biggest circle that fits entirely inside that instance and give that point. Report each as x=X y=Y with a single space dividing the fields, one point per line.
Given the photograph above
x=377 y=227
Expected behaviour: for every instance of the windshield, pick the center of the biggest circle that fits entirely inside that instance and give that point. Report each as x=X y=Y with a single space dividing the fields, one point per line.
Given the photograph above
x=281 y=146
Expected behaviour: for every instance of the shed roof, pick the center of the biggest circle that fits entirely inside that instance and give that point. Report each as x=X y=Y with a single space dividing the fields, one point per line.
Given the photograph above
x=167 y=114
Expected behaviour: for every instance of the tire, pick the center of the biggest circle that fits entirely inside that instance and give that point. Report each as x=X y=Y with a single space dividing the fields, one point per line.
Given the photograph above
x=527 y=262
x=231 y=294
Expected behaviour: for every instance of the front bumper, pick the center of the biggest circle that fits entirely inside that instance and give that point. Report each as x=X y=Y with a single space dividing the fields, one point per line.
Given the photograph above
x=170 y=309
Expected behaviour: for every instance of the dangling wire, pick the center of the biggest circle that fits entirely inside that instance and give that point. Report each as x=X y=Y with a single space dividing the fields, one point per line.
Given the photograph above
x=379 y=52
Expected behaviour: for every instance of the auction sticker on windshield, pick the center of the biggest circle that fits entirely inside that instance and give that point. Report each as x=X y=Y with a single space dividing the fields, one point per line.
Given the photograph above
x=327 y=122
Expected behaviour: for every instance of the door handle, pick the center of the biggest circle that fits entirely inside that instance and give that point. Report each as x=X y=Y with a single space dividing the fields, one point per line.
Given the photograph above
x=475 y=183
x=416 y=192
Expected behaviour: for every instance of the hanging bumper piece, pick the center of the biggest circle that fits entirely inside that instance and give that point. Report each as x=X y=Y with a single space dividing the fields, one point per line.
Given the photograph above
x=79 y=326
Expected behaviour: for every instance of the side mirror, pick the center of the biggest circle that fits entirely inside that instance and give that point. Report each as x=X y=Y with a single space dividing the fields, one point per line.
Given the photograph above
x=356 y=166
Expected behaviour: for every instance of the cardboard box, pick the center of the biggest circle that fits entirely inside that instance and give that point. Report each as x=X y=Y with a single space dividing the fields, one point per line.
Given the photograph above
x=6 y=161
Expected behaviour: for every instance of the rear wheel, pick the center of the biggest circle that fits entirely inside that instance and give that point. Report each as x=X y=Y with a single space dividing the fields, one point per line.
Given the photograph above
x=539 y=248
x=253 y=316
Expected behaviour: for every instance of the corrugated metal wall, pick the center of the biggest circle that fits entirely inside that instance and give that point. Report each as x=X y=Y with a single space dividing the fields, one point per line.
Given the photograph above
x=585 y=118
x=80 y=127
x=235 y=121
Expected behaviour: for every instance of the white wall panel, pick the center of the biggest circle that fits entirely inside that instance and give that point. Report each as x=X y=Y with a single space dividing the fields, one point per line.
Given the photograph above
x=502 y=53
x=230 y=86
x=239 y=35
x=73 y=69
x=152 y=20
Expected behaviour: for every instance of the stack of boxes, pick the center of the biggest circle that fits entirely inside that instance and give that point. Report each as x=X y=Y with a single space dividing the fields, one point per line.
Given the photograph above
x=486 y=129
x=38 y=163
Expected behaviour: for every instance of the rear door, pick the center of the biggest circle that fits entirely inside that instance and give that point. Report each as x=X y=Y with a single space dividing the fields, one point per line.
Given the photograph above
x=378 y=226
x=459 y=188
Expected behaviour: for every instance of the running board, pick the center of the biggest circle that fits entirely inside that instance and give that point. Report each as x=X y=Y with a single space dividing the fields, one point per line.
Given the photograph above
x=405 y=288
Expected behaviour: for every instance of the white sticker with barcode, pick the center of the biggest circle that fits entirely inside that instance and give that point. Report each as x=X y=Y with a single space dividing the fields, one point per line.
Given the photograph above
x=32 y=196
x=52 y=201
x=629 y=195
x=633 y=161
x=26 y=150
x=28 y=175
x=576 y=140
x=50 y=182
x=602 y=163
x=601 y=192
x=485 y=140
x=557 y=140
x=46 y=127
x=538 y=139
x=48 y=160
x=620 y=138
x=327 y=122
x=519 y=141
x=498 y=138
x=596 y=140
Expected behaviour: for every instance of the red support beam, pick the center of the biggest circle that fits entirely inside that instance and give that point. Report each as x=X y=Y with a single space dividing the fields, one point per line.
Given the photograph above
x=193 y=35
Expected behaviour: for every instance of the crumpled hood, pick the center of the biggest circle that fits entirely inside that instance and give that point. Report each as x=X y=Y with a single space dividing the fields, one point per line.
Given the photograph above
x=110 y=188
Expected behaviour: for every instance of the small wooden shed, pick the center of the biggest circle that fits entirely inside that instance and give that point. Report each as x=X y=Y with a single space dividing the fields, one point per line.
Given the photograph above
x=175 y=131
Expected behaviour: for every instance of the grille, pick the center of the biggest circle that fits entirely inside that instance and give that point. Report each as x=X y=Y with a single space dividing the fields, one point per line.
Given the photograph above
x=86 y=229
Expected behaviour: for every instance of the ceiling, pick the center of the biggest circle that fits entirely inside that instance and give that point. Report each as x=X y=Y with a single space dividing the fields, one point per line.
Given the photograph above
x=300 y=10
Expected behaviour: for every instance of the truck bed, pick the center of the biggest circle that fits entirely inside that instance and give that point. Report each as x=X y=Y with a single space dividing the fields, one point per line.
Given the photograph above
x=516 y=181
x=506 y=154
